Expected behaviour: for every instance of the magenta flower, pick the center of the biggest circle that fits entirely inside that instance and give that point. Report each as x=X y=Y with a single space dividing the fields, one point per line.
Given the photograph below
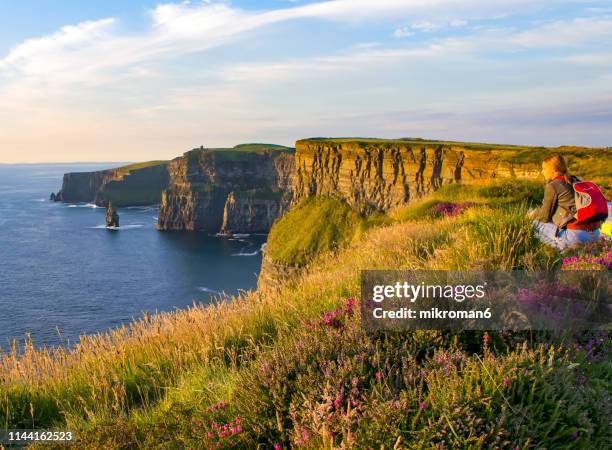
x=448 y=209
x=592 y=257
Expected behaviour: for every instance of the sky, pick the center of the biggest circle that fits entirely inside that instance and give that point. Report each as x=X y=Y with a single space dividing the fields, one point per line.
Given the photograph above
x=142 y=80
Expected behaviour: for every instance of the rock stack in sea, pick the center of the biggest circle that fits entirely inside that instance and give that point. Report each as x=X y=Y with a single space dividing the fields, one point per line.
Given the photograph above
x=112 y=218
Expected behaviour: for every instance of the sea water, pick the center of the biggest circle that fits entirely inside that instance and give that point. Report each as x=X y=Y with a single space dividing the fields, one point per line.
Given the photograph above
x=63 y=274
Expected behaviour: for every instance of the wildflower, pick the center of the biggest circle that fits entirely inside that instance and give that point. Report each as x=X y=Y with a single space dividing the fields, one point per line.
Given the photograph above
x=378 y=376
x=277 y=447
x=422 y=405
x=338 y=401
x=349 y=305
x=575 y=435
x=327 y=318
x=506 y=381
x=486 y=339
x=449 y=209
x=588 y=261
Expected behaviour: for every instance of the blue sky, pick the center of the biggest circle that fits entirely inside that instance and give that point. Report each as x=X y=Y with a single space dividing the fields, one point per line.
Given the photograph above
x=139 y=80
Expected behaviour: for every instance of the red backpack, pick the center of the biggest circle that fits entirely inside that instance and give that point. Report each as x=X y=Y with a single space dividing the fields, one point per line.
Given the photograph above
x=591 y=205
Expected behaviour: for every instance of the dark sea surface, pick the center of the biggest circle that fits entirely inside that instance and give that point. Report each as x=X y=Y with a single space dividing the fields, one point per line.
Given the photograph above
x=61 y=269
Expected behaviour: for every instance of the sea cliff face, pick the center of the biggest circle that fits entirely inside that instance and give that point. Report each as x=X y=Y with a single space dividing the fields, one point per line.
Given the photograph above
x=135 y=185
x=238 y=190
x=376 y=175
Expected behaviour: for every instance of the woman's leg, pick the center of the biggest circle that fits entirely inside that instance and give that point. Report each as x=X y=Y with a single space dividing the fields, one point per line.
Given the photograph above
x=547 y=233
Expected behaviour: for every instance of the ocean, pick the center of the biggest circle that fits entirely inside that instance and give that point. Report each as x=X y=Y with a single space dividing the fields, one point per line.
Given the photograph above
x=63 y=274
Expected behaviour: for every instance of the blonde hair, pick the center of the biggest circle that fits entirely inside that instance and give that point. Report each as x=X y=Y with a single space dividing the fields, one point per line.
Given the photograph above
x=557 y=163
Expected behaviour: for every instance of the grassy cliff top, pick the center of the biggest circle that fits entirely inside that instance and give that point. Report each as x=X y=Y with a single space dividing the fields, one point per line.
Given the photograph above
x=245 y=148
x=257 y=147
x=141 y=165
x=235 y=153
x=468 y=145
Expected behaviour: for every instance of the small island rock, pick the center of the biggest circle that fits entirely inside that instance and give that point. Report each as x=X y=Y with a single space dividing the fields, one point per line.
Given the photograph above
x=112 y=218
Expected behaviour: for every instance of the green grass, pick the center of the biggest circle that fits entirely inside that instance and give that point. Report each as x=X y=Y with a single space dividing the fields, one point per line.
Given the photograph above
x=268 y=359
x=142 y=165
x=241 y=151
x=321 y=224
x=523 y=153
x=318 y=224
x=256 y=147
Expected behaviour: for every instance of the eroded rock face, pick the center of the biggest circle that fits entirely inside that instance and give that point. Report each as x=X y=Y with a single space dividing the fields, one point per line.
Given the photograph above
x=378 y=175
x=227 y=190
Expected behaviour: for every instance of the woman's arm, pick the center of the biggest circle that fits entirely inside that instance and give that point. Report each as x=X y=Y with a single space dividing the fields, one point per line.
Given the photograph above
x=545 y=212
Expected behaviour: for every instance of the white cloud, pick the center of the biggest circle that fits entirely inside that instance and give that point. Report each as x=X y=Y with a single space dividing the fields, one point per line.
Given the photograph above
x=427 y=26
x=567 y=33
x=403 y=32
x=457 y=23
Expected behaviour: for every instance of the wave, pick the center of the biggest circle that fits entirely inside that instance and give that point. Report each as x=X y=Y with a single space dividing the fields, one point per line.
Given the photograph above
x=210 y=291
x=240 y=235
x=123 y=227
x=142 y=208
x=84 y=205
x=255 y=253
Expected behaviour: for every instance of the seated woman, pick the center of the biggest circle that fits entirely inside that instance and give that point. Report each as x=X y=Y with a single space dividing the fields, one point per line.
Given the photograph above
x=555 y=221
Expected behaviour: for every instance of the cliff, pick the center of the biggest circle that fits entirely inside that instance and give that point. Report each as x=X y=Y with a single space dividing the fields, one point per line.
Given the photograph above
x=133 y=185
x=376 y=175
x=238 y=190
